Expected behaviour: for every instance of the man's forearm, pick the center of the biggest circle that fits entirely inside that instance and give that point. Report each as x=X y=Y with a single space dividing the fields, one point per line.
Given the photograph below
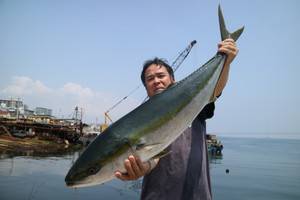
x=222 y=80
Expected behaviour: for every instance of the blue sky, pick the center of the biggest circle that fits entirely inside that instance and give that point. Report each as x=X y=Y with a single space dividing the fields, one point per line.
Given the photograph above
x=60 y=54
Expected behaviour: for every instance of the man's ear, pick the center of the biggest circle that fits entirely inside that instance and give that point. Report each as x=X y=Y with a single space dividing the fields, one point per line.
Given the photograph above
x=172 y=79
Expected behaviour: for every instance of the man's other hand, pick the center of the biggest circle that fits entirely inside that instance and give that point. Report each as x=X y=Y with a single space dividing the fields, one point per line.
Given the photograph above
x=135 y=169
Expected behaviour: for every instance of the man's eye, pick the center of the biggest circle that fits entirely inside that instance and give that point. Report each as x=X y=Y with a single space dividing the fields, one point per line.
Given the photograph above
x=149 y=78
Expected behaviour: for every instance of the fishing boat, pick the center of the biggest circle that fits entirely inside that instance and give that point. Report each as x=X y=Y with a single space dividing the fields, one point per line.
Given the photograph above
x=214 y=145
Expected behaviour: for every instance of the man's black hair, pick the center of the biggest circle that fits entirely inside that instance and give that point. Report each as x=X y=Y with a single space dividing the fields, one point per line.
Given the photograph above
x=156 y=61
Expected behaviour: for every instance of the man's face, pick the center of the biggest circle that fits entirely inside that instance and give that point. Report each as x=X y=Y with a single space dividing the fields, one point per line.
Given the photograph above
x=157 y=79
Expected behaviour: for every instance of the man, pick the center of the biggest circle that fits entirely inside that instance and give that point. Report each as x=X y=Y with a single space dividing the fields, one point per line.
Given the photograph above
x=183 y=173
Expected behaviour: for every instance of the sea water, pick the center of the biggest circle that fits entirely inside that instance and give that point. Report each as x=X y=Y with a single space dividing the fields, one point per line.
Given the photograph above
x=256 y=169
x=260 y=169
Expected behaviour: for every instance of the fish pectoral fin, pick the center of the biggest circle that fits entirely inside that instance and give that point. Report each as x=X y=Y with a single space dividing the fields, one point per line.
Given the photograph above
x=162 y=154
x=143 y=145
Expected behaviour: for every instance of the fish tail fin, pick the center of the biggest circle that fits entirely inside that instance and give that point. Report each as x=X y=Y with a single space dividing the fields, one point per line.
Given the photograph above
x=224 y=32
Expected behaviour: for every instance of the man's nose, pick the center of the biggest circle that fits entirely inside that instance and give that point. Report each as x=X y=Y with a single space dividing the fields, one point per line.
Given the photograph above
x=156 y=81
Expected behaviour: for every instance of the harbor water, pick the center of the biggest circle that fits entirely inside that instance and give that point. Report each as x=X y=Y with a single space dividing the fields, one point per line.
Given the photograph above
x=261 y=169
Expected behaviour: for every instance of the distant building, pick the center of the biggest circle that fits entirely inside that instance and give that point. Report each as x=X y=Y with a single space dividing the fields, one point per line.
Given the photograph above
x=11 y=103
x=28 y=112
x=43 y=111
x=14 y=107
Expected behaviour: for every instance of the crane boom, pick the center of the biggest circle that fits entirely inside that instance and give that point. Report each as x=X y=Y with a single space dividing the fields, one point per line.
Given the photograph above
x=178 y=61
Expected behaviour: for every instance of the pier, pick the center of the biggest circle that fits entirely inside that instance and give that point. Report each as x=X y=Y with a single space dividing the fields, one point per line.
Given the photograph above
x=49 y=131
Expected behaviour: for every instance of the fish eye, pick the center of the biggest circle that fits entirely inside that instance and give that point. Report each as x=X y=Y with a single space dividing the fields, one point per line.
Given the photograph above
x=92 y=170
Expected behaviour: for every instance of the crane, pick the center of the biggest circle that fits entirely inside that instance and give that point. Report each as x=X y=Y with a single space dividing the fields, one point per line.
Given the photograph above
x=182 y=56
x=175 y=65
x=107 y=119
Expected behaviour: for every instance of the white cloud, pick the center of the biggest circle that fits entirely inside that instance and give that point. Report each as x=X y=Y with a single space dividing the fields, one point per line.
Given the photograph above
x=22 y=85
x=76 y=89
x=63 y=100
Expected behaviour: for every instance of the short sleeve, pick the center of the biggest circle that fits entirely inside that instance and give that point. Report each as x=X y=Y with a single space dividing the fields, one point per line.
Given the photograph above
x=207 y=112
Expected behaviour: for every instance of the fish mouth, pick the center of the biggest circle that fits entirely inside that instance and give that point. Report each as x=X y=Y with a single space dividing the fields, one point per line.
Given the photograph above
x=76 y=184
x=71 y=184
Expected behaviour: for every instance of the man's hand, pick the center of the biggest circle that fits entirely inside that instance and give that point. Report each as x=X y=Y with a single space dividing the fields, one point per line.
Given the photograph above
x=135 y=169
x=228 y=47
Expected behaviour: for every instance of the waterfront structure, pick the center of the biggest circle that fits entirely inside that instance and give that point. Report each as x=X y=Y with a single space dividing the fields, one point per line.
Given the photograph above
x=14 y=107
x=4 y=113
x=43 y=111
x=19 y=121
x=11 y=103
x=214 y=145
